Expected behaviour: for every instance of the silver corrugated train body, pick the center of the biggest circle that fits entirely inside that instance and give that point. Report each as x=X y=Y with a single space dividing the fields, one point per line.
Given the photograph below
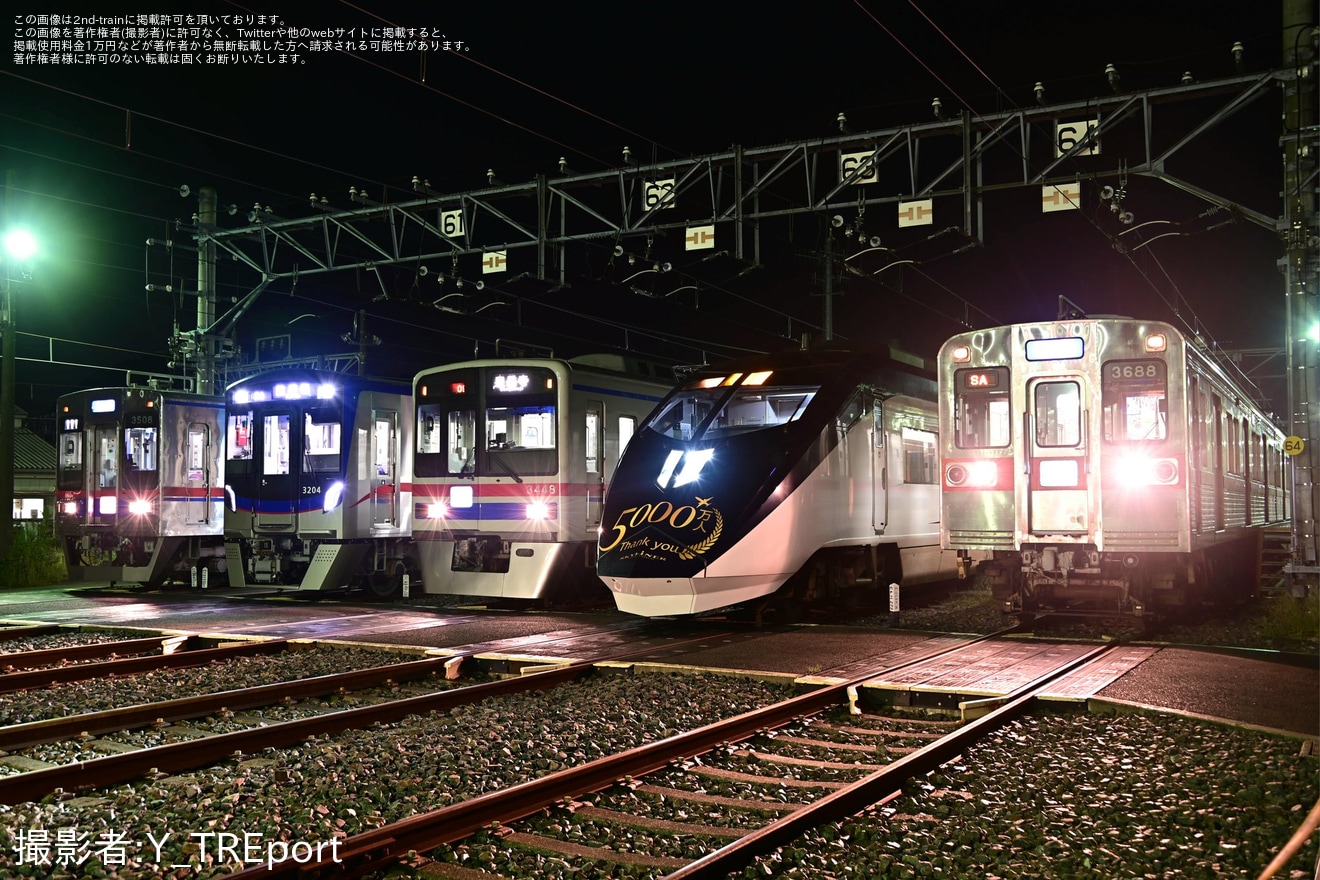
x=1109 y=464
x=140 y=483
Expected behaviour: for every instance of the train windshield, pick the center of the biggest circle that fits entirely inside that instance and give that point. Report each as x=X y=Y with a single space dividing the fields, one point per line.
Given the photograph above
x=707 y=413
x=1135 y=400
x=488 y=421
x=981 y=408
x=321 y=441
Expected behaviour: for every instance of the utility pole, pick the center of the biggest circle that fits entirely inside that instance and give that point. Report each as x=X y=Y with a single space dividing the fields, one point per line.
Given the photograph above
x=7 y=386
x=1301 y=271
x=206 y=220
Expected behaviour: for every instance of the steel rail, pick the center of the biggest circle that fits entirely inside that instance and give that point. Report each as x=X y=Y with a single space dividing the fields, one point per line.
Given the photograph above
x=878 y=785
x=95 y=651
x=175 y=757
x=378 y=848
x=10 y=633
x=35 y=733
x=41 y=678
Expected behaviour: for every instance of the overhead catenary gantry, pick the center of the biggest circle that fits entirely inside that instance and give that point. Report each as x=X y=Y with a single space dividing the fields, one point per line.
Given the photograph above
x=944 y=167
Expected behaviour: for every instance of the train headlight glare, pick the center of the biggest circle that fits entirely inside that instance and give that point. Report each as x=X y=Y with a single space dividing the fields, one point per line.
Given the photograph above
x=538 y=510
x=139 y=507
x=437 y=510
x=1138 y=470
x=982 y=474
x=693 y=462
x=333 y=496
x=71 y=508
x=961 y=354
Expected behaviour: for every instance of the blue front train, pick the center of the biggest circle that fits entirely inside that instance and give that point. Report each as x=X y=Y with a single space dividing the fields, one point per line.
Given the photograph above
x=318 y=483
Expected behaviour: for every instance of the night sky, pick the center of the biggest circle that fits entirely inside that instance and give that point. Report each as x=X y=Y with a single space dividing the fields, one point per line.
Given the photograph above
x=94 y=156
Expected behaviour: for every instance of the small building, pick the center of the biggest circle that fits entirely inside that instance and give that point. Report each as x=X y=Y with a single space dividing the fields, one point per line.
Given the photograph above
x=34 y=471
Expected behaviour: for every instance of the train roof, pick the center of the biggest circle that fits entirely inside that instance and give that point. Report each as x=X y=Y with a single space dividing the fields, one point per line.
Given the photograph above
x=890 y=369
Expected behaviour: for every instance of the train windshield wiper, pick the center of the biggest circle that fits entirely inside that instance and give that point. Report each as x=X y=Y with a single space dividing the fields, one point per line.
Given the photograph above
x=503 y=465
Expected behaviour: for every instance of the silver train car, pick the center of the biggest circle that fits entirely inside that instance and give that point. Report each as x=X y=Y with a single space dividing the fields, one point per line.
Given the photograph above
x=140 y=485
x=784 y=480
x=318 y=482
x=510 y=466
x=1107 y=464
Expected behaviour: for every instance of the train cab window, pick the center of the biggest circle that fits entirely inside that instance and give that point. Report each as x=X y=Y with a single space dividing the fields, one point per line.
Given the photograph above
x=140 y=449
x=1058 y=407
x=71 y=460
x=321 y=441
x=1135 y=401
x=754 y=408
x=981 y=408
x=679 y=416
x=238 y=437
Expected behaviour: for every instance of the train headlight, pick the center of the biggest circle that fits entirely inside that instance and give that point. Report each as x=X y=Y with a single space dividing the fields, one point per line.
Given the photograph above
x=538 y=510
x=333 y=496
x=692 y=462
x=437 y=510
x=71 y=508
x=139 y=507
x=1138 y=470
x=982 y=474
x=107 y=504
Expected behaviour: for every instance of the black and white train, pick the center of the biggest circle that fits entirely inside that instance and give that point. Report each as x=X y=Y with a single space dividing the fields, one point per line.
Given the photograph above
x=803 y=476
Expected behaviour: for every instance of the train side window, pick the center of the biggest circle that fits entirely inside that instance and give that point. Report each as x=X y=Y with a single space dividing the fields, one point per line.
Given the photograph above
x=981 y=408
x=1058 y=414
x=919 y=457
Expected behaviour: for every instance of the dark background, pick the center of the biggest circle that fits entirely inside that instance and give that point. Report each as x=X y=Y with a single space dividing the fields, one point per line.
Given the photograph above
x=94 y=157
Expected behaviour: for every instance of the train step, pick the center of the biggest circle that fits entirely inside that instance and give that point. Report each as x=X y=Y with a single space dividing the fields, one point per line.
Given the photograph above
x=1275 y=553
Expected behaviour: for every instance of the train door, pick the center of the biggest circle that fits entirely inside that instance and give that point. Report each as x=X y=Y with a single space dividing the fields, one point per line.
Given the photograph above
x=384 y=463
x=1058 y=500
x=104 y=473
x=594 y=450
x=879 y=470
x=197 y=473
x=273 y=508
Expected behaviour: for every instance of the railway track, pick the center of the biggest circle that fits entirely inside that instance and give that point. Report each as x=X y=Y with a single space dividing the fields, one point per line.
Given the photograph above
x=805 y=758
x=372 y=851
x=433 y=687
